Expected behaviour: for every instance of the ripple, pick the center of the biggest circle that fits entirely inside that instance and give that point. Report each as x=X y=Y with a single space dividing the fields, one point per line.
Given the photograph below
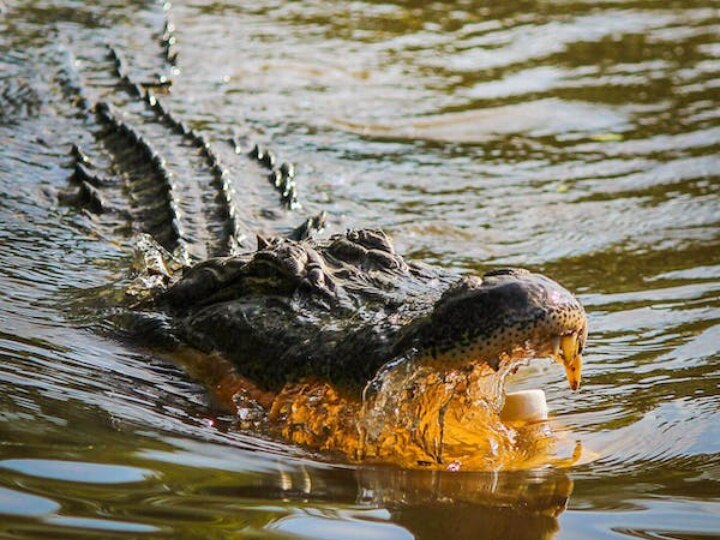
x=18 y=503
x=76 y=471
x=100 y=524
x=326 y=527
x=534 y=118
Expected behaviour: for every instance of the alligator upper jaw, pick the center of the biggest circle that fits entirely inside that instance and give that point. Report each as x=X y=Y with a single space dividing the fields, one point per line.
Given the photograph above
x=502 y=318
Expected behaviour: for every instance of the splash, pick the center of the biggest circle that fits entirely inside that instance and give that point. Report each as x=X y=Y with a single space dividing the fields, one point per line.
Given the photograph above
x=414 y=413
x=416 y=416
x=411 y=414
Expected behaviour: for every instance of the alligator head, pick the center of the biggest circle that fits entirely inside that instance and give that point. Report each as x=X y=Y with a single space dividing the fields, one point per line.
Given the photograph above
x=507 y=315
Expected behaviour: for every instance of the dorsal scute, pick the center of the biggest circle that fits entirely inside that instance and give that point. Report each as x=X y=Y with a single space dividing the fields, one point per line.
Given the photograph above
x=336 y=272
x=288 y=258
x=358 y=260
x=366 y=249
x=298 y=264
x=371 y=239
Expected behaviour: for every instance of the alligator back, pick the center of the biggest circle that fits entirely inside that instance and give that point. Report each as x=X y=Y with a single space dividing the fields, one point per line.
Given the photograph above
x=335 y=310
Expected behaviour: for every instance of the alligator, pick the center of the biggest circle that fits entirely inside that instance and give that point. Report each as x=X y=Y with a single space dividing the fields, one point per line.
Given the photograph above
x=336 y=343
x=349 y=347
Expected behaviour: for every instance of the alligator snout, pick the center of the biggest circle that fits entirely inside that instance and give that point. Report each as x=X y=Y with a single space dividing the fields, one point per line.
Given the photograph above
x=505 y=316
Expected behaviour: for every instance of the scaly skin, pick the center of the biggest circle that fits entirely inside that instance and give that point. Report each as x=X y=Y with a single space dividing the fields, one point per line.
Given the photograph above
x=308 y=326
x=339 y=310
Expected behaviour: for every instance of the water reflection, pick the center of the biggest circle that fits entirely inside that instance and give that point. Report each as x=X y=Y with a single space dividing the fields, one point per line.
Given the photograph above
x=385 y=502
x=429 y=505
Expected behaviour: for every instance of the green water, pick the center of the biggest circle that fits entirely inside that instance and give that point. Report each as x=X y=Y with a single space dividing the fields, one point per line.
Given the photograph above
x=578 y=138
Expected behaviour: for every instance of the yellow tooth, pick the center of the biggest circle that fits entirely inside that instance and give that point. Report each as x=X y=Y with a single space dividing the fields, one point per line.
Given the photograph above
x=572 y=360
x=568 y=344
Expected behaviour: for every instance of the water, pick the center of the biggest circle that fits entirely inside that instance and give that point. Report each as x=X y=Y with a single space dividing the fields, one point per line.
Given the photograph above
x=579 y=139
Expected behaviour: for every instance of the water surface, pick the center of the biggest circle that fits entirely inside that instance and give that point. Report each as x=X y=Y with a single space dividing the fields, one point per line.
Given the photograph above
x=579 y=139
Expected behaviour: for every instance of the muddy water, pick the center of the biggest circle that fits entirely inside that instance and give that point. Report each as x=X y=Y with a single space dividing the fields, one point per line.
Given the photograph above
x=579 y=139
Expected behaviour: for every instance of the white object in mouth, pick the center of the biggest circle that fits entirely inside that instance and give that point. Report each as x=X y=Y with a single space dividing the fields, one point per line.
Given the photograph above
x=525 y=406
